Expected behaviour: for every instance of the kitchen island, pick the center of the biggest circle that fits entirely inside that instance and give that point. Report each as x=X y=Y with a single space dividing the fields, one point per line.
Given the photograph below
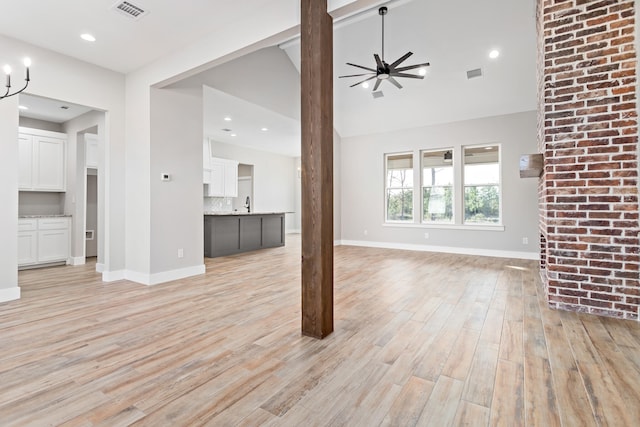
x=228 y=233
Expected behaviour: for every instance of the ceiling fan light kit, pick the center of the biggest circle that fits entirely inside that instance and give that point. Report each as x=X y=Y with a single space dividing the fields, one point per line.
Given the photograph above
x=383 y=70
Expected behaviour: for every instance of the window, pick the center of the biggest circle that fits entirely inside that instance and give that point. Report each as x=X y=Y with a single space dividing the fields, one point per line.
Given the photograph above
x=482 y=185
x=437 y=186
x=399 y=187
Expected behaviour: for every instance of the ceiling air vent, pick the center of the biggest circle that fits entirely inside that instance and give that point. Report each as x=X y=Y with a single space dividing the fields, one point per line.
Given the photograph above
x=377 y=94
x=129 y=9
x=472 y=74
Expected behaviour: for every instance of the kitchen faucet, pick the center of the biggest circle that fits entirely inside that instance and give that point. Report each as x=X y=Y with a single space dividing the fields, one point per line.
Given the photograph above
x=247 y=205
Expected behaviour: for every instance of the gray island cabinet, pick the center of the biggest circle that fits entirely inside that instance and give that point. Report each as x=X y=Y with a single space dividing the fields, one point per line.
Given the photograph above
x=236 y=232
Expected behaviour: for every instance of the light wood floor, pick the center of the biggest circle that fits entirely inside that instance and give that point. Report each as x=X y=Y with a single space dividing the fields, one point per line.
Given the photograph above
x=420 y=339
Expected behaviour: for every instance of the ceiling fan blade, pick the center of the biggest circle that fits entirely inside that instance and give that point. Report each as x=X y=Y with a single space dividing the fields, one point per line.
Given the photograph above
x=412 y=67
x=395 y=82
x=365 y=80
x=360 y=66
x=355 y=75
x=375 y=87
x=378 y=61
x=401 y=59
x=410 y=76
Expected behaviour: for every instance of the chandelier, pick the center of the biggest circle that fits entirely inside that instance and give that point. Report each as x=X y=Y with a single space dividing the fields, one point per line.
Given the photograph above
x=7 y=71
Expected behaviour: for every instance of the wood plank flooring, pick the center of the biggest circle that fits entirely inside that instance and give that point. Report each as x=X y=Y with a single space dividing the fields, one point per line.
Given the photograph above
x=420 y=339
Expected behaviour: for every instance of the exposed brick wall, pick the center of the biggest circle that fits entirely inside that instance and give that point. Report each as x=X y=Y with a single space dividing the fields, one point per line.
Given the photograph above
x=589 y=137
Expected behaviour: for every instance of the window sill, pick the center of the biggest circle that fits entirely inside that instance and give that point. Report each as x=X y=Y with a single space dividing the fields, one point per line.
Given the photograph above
x=480 y=227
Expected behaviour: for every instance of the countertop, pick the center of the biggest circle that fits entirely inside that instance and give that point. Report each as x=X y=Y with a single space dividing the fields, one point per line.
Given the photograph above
x=44 y=216
x=229 y=213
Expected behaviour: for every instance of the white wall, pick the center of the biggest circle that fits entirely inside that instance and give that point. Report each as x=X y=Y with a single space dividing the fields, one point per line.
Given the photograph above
x=60 y=77
x=363 y=187
x=274 y=178
x=9 y=289
x=337 y=186
x=176 y=205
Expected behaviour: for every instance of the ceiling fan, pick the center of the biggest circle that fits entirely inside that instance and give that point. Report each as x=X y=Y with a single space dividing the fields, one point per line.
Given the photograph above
x=384 y=71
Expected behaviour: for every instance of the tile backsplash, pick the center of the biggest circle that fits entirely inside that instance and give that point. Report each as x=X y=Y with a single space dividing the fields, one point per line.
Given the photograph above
x=217 y=204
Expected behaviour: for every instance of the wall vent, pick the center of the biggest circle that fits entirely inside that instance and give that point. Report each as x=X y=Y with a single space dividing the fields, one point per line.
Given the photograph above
x=129 y=9
x=377 y=94
x=472 y=74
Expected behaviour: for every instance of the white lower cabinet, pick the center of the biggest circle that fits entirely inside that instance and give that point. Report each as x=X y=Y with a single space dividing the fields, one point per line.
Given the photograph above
x=43 y=240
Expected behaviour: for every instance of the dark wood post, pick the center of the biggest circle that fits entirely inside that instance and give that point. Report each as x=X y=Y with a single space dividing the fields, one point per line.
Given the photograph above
x=317 y=168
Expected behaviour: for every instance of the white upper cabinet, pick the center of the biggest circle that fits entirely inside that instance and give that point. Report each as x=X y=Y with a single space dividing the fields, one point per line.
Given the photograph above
x=91 y=150
x=41 y=160
x=223 y=178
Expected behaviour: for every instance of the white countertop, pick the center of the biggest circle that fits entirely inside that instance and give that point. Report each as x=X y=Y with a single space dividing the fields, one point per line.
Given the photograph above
x=45 y=216
x=227 y=213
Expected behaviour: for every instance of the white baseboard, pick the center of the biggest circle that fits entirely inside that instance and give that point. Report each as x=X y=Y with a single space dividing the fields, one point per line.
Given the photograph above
x=444 y=249
x=111 y=276
x=76 y=260
x=10 y=294
x=153 y=279
x=99 y=267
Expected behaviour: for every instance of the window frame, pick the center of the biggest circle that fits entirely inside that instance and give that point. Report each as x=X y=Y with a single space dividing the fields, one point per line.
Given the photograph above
x=463 y=185
x=422 y=186
x=411 y=188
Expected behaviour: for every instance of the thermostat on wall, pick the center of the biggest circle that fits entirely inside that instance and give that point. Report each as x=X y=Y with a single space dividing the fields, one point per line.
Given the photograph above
x=165 y=177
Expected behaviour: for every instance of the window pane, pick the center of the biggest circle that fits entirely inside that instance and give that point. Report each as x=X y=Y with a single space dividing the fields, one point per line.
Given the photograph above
x=482 y=204
x=437 y=176
x=482 y=174
x=437 y=204
x=399 y=205
x=482 y=184
x=399 y=178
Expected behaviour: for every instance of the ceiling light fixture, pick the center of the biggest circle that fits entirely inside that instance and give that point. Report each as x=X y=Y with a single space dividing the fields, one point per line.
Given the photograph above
x=422 y=71
x=365 y=85
x=27 y=79
x=87 y=37
x=264 y=129
x=384 y=71
x=227 y=119
x=494 y=54
x=233 y=134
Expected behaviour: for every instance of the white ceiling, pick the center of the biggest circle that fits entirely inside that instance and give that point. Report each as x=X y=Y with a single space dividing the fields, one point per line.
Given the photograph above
x=122 y=44
x=247 y=121
x=50 y=110
x=454 y=36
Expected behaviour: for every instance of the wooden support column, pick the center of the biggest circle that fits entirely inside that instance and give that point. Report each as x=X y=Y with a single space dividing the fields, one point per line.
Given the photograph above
x=316 y=77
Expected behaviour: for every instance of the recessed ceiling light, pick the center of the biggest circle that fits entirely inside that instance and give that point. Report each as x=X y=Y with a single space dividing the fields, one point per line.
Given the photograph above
x=87 y=37
x=365 y=85
x=227 y=119
x=23 y=107
x=494 y=54
x=233 y=134
x=264 y=129
x=422 y=71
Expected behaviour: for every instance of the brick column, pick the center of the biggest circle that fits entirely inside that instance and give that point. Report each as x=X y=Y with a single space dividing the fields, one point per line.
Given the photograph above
x=588 y=133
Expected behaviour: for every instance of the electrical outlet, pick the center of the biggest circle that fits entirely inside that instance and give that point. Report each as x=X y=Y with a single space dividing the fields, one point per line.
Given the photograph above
x=426 y=235
x=180 y=253
x=525 y=240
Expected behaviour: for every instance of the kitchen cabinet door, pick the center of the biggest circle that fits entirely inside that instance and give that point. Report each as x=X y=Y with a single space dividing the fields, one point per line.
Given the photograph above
x=53 y=245
x=49 y=164
x=91 y=150
x=27 y=247
x=231 y=179
x=217 y=174
x=25 y=162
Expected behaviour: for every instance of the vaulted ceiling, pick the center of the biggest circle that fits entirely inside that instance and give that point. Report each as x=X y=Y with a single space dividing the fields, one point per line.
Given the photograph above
x=454 y=36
